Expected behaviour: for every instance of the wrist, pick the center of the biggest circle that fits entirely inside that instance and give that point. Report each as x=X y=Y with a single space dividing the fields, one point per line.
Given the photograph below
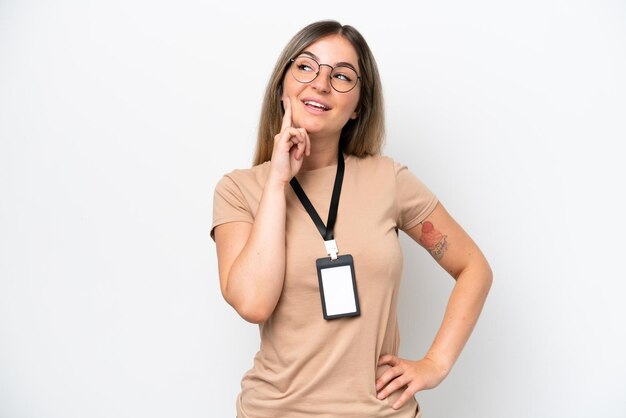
x=275 y=183
x=442 y=363
x=276 y=177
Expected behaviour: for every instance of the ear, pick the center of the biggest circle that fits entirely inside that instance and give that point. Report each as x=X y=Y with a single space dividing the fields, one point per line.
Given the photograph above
x=355 y=114
x=281 y=95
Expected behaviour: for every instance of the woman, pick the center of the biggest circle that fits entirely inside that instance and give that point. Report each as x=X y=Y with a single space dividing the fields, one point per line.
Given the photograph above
x=324 y=290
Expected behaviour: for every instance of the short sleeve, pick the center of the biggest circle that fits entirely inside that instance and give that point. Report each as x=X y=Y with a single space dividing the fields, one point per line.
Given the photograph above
x=229 y=204
x=414 y=200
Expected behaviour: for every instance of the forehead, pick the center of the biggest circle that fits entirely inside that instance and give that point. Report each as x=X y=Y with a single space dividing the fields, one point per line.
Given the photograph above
x=334 y=49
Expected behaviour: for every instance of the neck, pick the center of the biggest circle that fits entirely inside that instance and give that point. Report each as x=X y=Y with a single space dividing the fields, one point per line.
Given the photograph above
x=323 y=154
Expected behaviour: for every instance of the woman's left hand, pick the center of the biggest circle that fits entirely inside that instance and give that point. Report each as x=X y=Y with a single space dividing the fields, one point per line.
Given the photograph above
x=414 y=375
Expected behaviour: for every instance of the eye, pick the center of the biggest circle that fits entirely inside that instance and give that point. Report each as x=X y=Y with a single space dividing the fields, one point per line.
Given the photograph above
x=344 y=74
x=342 y=77
x=305 y=67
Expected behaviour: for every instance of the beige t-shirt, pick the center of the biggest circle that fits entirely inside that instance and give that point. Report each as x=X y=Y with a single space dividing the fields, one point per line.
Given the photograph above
x=307 y=366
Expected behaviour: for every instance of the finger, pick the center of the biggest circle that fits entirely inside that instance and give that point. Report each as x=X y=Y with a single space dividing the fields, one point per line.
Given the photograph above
x=396 y=384
x=406 y=395
x=289 y=136
x=300 y=150
x=308 y=145
x=388 y=359
x=300 y=143
x=297 y=136
x=387 y=377
x=287 y=116
x=304 y=135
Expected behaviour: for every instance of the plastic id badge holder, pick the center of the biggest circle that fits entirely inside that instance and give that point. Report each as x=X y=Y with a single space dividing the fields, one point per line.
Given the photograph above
x=337 y=284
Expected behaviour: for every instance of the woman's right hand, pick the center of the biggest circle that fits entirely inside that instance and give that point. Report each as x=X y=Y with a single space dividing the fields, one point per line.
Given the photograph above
x=291 y=145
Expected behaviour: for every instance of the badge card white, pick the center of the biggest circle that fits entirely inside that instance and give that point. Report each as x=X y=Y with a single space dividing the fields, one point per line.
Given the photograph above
x=337 y=284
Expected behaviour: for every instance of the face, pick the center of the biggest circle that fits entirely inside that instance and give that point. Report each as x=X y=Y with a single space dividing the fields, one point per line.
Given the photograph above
x=316 y=106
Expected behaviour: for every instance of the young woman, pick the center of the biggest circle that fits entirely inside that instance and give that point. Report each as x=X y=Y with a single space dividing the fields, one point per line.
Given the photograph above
x=324 y=289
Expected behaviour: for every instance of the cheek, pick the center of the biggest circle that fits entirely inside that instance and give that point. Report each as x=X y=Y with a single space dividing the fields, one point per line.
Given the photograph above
x=352 y=107
x=290 y=86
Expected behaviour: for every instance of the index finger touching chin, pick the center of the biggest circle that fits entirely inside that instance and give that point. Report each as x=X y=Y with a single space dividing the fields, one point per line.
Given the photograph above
x=287 y=115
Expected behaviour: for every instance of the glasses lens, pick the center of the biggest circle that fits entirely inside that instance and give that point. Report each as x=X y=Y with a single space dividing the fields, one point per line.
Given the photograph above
x=305 y=69
x=343 y=79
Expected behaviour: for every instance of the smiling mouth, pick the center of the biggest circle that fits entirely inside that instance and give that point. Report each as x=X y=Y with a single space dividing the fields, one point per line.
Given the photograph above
x=316 y=105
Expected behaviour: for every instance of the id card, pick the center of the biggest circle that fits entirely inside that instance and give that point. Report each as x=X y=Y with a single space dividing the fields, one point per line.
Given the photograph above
x=338 y=287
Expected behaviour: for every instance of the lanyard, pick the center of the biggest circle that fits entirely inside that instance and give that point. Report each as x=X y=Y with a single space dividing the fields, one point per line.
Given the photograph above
x=327 y=231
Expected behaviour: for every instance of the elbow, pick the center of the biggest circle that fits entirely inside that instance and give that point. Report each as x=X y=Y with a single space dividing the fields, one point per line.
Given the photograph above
x=254 y=315
x=488 y=277
x=252 y=310
x=253 y=305
x=480 y=274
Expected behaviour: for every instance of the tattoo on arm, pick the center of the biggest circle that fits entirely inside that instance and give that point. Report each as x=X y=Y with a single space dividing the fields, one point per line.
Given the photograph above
x=433 y=240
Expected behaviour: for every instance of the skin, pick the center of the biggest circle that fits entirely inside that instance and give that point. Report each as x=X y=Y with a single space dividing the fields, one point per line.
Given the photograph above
x=251 y=257
x=464 y=261
x=324 y=128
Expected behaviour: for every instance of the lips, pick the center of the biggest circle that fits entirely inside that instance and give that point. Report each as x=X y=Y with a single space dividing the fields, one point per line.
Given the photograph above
x=316 y=104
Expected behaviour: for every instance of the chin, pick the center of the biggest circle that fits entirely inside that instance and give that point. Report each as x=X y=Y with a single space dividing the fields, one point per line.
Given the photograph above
x=310 y=126
x=315 y=126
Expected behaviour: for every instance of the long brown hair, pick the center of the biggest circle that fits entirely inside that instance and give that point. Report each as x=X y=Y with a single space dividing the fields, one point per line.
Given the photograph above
x=360 y=137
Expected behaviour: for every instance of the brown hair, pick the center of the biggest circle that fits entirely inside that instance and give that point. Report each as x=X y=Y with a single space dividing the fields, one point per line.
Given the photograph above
x=360 y=137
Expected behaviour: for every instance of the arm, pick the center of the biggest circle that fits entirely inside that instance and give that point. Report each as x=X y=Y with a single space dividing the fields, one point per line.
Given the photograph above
x=251 y=257
x=455 y=251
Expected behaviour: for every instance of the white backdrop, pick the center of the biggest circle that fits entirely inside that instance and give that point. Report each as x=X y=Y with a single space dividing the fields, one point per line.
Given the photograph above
x=118 y=117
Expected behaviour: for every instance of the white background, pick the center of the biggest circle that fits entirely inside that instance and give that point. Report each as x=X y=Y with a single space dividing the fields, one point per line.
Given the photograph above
x=118 y=117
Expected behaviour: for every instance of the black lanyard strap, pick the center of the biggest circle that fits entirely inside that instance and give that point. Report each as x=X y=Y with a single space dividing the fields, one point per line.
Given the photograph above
x=327 y=231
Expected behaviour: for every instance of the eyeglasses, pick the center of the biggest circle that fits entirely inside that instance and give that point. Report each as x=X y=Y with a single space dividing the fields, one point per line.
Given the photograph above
x=305 y=69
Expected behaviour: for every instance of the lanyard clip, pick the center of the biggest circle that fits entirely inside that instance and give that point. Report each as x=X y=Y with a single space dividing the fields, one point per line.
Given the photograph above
x=331 y=248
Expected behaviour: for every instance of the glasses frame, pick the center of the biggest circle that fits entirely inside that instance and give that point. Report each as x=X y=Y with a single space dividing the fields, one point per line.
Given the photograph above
x=319 y=68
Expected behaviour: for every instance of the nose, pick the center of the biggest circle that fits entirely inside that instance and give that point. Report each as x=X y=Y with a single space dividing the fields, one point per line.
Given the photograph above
x=322 y=81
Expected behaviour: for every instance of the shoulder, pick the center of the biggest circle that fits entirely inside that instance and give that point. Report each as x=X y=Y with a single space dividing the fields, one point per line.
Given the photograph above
x=373 y=174
x=378 y=164
x=383 y=169
x=237 y=194
x=245 y=177
x=371 y=161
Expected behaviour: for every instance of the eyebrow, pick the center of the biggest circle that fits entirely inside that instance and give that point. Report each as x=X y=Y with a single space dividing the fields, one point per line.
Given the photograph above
x=337 y=64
